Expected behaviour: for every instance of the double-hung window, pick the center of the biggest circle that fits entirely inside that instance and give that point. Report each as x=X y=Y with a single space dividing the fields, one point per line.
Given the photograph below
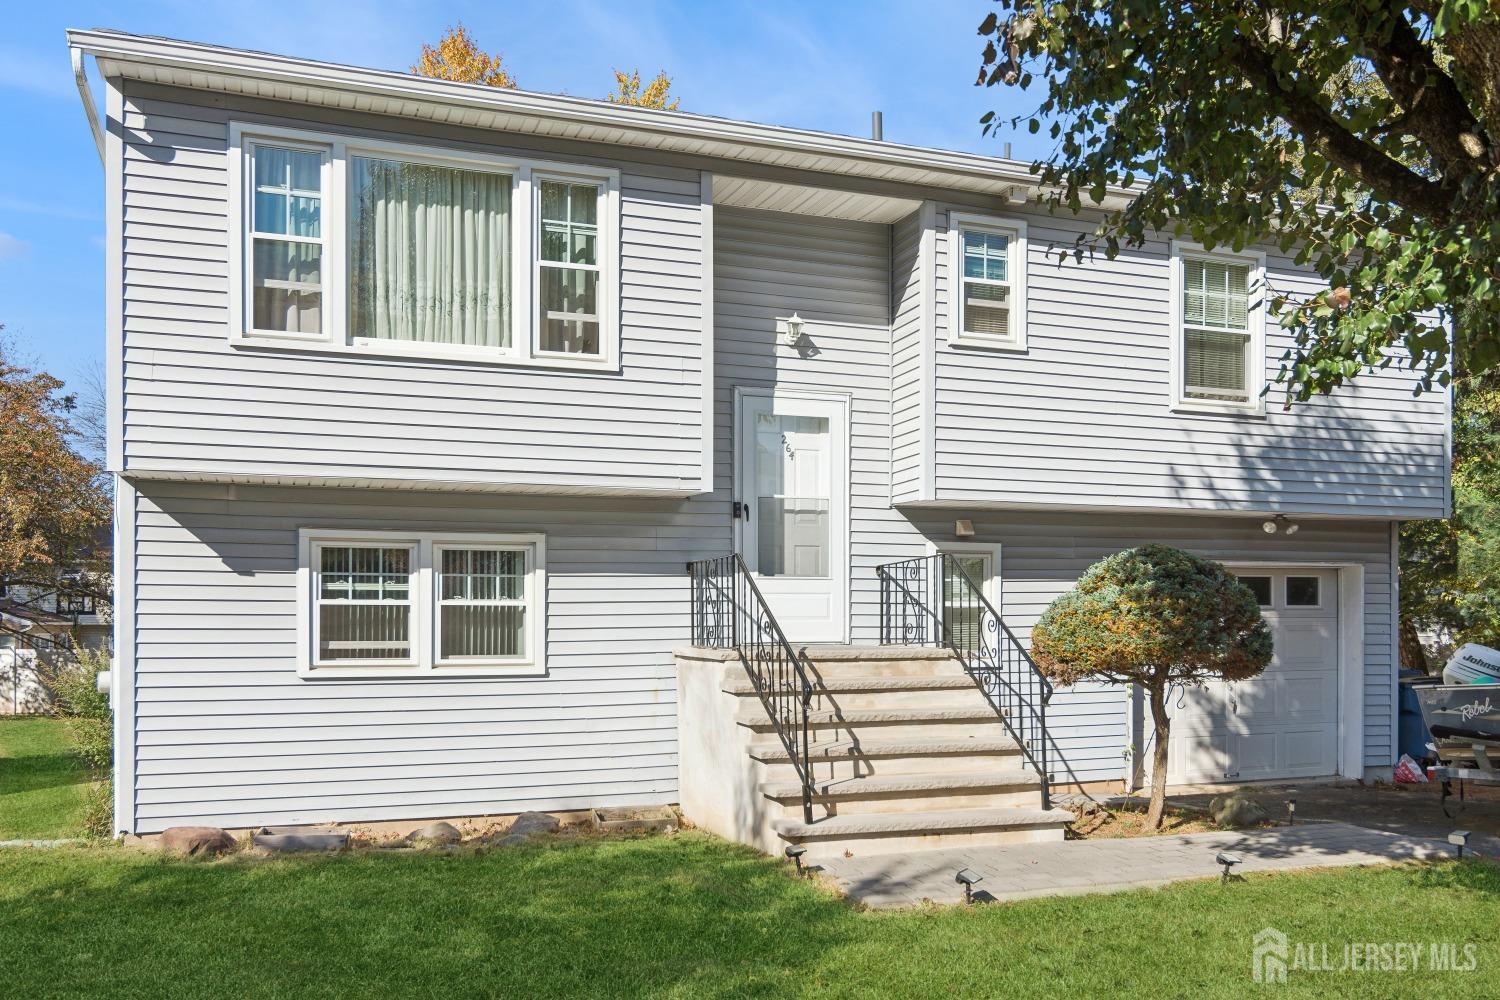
x=987 y=282
x=386 y=248
x=286 y=239
x=568 y=271
x=1220 y=332
x=392 y=604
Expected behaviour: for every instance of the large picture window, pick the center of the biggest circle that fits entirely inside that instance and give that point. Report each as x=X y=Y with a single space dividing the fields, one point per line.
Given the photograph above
x=386 y=248
x=386 y=604
x=429 y=253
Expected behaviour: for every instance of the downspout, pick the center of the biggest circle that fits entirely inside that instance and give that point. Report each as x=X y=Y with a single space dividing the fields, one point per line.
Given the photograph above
x=81 y=77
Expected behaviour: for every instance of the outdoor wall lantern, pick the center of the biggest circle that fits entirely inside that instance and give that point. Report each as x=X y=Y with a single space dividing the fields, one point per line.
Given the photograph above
x=790 y=327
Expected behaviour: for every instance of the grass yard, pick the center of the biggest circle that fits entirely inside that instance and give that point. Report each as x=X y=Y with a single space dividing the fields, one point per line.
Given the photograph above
x=680 y=916
x=42 y=782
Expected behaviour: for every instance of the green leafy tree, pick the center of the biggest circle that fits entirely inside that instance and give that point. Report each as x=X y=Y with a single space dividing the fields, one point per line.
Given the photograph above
x=1156 y=617
x=1362 y=137
x=1450 y=569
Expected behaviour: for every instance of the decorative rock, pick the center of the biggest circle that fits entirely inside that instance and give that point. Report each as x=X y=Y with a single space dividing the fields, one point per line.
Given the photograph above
x=527 y=825
x=193 y=841
x=1234 y=811
x=299 y=838
x=435 y=835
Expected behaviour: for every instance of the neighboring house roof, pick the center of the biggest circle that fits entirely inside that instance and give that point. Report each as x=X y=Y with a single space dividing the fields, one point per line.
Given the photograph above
x=265 y=75
x=22 y=619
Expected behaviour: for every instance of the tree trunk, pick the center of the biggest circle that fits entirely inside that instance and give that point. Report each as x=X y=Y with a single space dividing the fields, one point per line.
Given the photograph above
x=1158 y=693
x=1412 y=653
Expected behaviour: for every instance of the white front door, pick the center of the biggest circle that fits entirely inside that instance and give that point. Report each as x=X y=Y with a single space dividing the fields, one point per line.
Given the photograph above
x=792 y=482
x=1284 y=723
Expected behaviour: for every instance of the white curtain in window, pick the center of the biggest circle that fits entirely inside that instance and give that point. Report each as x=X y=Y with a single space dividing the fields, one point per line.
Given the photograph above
x=429 y=253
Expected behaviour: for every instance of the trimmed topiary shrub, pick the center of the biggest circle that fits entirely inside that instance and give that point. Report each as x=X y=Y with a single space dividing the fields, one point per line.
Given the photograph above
x=1154 y=616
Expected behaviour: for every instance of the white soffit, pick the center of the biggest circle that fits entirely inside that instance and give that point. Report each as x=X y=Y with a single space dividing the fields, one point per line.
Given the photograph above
x=774 y=196
x=264 y=75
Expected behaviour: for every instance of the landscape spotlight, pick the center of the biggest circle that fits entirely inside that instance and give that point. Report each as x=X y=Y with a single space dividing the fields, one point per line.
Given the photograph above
x=795 y=852
x=967 y=878
x=1228 y=861
x=1459 y=839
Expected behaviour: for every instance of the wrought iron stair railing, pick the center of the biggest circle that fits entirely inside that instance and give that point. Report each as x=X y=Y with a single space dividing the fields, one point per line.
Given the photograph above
x=934 y=601
x=729 y=612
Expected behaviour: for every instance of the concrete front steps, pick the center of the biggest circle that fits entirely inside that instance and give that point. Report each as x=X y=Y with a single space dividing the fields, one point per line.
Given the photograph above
x=905 y=752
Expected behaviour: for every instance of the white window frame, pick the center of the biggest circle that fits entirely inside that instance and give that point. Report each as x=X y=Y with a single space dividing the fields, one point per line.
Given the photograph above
x=1015 y=231
x=1255 y=362
x=608 y=267
x=336 y=336
x=527 y=601
x=424 y=583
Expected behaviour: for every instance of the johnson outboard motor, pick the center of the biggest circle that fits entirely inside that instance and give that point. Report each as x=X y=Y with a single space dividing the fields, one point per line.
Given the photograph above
x=1473 y=664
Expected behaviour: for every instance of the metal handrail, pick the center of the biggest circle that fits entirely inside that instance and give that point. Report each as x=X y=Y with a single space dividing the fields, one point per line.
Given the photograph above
x=933 y=600
x=729 y=612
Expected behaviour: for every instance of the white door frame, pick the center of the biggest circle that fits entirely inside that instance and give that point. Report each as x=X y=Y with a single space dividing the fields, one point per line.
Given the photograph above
x=839 y=560
x=1350 y=709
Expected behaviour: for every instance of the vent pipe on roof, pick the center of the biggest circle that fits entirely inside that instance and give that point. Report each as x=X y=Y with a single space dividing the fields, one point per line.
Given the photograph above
x=1007 y=150
x=877 y=126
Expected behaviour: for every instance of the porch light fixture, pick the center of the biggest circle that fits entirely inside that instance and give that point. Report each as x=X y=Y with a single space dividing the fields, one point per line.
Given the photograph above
x=790 y=327
x=1460 y=840
x=795 y=852
x=968 y=878
x=963 y=528
x=1228 y=861
x=1280 y=523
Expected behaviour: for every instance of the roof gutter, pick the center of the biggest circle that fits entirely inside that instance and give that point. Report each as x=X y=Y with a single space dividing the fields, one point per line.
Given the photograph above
x=361 y=83
x=81 y=77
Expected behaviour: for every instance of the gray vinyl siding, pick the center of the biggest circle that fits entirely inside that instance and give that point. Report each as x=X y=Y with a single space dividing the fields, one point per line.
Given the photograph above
x=197 y=407
x=1083 y=416
x=1043 y=554
x=908 y=360
x=836 y=275
x=227 y=732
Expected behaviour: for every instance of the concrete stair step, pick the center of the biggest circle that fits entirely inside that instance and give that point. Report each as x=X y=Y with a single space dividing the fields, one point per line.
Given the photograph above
x=870 y=685
x=847 y=749
x=755 y=717
x=875 y=825
x=999 y=779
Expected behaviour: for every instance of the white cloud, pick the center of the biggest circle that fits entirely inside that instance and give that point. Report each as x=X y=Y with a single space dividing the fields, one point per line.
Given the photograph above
x=12 y=247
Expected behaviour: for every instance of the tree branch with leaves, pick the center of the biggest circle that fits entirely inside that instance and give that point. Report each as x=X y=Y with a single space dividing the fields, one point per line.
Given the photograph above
x=1362 y=139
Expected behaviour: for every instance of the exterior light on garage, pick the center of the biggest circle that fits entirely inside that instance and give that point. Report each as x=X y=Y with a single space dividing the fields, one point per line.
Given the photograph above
x=1279 y=523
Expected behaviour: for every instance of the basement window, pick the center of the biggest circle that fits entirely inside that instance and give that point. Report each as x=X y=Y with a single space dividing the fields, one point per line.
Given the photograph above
x=392 y=604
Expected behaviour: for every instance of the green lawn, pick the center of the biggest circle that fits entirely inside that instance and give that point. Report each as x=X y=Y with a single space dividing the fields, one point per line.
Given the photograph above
x=684 y=916
x=41 y=781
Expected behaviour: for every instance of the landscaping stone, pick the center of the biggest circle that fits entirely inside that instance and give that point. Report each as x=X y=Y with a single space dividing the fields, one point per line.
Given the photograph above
x=1236 y=811
x=635 y=819
x=527 y=825
x=195 y=841
x=435 y=835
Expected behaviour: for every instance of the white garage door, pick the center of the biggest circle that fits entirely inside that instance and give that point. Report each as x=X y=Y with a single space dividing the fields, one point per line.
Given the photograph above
x=1284 y=723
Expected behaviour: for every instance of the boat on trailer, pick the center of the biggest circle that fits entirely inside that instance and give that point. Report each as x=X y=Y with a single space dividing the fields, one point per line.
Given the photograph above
x=1463 y=716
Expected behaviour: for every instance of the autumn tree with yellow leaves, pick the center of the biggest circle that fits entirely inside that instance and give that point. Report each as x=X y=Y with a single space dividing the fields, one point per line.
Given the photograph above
x=459 y=58
x=655 y=94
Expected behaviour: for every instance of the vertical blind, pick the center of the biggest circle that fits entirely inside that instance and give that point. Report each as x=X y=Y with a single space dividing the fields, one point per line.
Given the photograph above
x=481 y=603
x=1216 y=337
x=429 y=253
x=364 y=603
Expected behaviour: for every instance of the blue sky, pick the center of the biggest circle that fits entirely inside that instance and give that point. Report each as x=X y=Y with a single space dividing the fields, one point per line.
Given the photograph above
x=814 y=65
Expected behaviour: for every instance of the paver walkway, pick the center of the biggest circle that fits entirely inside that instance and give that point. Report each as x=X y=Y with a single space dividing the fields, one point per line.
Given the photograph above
x=1073 y=867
